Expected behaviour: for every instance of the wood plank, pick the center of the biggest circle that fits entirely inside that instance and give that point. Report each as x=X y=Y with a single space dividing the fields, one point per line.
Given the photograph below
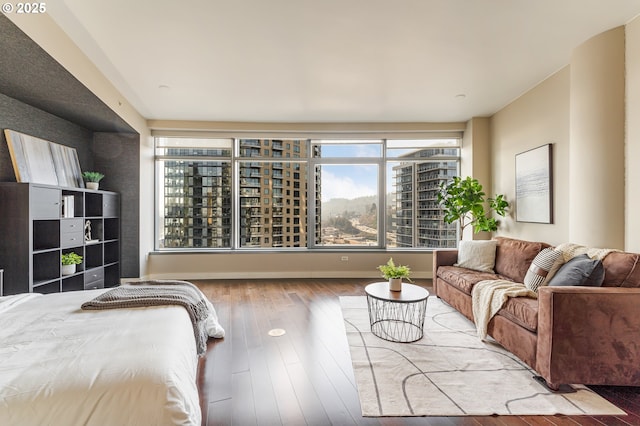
x=219 y=413
x=242 y=401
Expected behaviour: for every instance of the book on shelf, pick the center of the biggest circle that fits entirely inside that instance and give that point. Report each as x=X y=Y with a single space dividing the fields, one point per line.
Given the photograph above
x=68 y=204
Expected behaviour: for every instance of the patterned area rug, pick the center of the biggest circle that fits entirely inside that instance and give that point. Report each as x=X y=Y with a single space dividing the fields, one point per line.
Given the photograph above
x=450 y=372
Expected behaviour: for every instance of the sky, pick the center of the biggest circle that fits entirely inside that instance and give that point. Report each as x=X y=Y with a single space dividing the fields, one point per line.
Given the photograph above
x=352 y=180
x=348 y=181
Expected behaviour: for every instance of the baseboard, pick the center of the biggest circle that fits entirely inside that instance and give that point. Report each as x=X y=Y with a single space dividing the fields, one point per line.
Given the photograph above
x=365 y=275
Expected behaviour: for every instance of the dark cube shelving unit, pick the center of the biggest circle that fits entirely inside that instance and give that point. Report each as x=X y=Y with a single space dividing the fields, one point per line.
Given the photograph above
x=35 y=234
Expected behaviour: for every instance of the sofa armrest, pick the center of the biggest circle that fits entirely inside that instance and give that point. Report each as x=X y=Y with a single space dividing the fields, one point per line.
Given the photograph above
x=589 y=335
x=442 y=258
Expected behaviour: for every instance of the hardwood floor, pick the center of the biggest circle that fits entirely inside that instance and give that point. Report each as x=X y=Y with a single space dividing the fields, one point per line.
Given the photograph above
x=305 y=376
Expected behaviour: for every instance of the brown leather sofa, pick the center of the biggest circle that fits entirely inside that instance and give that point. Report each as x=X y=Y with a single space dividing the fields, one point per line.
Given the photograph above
x=570 y=334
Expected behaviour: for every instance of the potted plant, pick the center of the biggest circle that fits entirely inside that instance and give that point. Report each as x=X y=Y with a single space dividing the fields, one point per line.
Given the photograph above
x=395 y=273
x=92 y=179
x=69 y=262
x=463 y=200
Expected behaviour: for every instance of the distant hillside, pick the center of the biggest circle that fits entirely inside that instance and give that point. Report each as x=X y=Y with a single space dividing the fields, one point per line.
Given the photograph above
x=337 y=206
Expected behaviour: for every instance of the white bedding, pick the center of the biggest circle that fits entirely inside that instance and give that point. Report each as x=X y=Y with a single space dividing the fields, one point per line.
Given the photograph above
x=60 y=365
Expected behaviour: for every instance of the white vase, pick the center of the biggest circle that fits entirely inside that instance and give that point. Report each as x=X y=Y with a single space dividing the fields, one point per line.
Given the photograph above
x=395 y=284
x=93 y=185
x=68 y=269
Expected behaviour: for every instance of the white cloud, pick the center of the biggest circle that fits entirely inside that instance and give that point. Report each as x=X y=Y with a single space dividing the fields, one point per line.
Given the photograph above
x=334 y=186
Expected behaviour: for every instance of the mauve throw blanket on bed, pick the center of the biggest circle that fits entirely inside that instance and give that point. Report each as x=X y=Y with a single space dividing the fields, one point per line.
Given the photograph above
x=159 y=293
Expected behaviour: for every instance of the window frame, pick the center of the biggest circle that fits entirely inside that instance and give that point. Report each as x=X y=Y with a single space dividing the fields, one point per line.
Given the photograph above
x=382 y=162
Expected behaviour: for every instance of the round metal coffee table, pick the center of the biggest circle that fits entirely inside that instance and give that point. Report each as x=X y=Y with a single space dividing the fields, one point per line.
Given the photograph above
x=397 y=316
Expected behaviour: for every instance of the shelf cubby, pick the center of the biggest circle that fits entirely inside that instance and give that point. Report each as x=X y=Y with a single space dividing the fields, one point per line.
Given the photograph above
x=73 y=283
x=46 y=266
x=93 y=204
x=111 y=229
x=112 y=275
x=49 y=287
x=46 y=234
x=111 y=252
x=93 y=256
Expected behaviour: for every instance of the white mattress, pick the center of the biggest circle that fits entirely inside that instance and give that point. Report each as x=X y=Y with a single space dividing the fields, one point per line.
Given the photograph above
x=60 y=365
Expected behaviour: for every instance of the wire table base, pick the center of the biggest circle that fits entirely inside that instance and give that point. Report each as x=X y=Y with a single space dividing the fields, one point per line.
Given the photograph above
x=394 y=316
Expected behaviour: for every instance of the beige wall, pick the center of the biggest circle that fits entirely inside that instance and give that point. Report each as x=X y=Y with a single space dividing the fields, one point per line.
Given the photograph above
x=632 y=154
x=475 y=161
x=283 y=265
x=539 y=117
x=581 y=110
x=596 y=149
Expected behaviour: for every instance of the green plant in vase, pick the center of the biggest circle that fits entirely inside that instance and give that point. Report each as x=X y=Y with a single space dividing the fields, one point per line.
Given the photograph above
x=92 y=179
x=69 y=262
x=395 y=273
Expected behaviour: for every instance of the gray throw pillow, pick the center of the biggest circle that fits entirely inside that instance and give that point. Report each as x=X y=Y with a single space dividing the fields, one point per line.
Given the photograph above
x=581 y=270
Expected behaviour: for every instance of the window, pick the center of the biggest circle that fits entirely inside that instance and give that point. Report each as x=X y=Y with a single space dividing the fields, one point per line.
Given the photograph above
x=349 y=198
x=194 y=203
x=237 y=194
x=413 y=214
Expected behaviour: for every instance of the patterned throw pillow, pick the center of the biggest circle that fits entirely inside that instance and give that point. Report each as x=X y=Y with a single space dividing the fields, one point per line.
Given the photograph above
x=538 y=272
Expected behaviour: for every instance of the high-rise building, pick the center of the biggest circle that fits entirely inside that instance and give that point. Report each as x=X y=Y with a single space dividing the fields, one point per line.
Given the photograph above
x=419 y=218
x=273 y=194
x=197 y=202
x=272 y=190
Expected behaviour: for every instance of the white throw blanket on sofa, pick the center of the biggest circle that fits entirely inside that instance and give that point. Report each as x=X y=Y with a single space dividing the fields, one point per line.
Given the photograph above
x=488 y=297
x=571 y=250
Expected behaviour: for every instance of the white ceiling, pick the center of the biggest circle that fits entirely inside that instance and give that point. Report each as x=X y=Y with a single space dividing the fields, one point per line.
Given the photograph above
x=331 y=60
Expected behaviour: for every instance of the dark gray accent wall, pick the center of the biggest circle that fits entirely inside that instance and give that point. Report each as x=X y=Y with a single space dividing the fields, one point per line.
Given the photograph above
x=31 y=75
x=117 y=156
x=18 y=116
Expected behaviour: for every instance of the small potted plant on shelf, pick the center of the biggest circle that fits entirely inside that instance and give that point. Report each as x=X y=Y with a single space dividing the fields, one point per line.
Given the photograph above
x=69 y=262
x=395 y=273
x=92 y=179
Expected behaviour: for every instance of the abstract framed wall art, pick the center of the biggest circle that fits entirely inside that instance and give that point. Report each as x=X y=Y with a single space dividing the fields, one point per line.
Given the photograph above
x=534 y=185
x=36 y=160
x=67 y=166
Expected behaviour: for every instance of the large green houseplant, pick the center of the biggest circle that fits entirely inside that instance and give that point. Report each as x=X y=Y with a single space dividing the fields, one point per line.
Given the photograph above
x=464 y=200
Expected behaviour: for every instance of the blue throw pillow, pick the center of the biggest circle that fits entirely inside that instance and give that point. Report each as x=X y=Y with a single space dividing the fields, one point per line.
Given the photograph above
x=581 y=270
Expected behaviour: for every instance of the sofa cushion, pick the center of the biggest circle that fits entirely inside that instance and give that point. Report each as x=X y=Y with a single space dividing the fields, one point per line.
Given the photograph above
x=523 y=311
x=538 y=272
x=462 y=278
x=621 y=270
x=579 y=271
x=477 y=255
x=513 y=257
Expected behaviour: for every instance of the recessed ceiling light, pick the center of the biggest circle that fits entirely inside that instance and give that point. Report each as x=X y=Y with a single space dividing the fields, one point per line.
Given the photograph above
x=461 y=96
x=276 y=332
x=163 y=87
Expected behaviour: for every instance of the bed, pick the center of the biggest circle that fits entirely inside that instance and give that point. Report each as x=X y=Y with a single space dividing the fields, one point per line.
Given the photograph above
x=63 y=365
